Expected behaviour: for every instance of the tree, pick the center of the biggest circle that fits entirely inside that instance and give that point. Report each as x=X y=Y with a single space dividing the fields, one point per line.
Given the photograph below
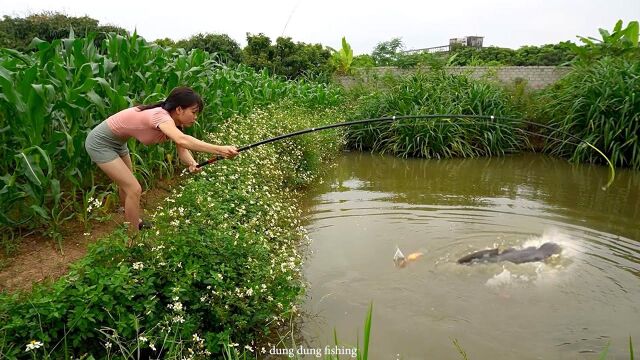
x=363 y=61
x=546 y=55
x=165 y=42
x=285 y=57
x=258 y=53
x=17 y=33
x=386 y=53
x=221 y=44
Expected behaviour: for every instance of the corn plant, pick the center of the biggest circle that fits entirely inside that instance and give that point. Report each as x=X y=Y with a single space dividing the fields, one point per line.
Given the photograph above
x=52 y=97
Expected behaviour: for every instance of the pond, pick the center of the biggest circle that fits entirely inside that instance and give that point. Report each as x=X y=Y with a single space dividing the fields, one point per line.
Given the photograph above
x=568 y=307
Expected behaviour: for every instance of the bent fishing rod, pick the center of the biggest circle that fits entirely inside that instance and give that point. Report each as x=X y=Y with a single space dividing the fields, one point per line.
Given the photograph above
x=431 y=116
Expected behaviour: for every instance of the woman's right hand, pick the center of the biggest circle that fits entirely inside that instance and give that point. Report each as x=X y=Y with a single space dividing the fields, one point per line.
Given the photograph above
x=228 y=152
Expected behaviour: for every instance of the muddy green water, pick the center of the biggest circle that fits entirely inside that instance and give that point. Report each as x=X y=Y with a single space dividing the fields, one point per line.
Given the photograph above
x=567 y=308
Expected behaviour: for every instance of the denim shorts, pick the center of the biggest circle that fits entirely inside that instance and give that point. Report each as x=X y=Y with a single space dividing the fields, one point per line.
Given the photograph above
x=103 y=145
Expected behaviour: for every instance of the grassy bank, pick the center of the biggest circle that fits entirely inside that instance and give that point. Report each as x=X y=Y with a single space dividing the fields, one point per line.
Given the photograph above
x=221 y=265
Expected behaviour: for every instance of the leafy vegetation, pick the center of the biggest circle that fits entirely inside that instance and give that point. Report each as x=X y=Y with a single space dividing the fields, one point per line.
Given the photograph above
x=386 y=53
x=437 y=92
x=597 y=101
x=227 y=49
x=343 y=58
x=222 y=267
x=619 y=43
x=222 y=264
x=391 y=53
x=17 y=33
x=546 y=55
x=286 y=58
x=53 y=97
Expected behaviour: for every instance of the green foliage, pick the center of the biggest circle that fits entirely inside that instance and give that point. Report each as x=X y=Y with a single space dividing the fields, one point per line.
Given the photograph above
x=386 y=53
x=165 y=42
x=390 y=54
x=342 y=59
x=17 y=33
x=227 y=49
x=469 y=56
x=546 y=55
x=222 y=262
x=286 y=58
x=596 y=102
x=437 y=92
x=620 y=43
x=434 y=61
x=258 y=53
x=53 y=97
x=363 y=61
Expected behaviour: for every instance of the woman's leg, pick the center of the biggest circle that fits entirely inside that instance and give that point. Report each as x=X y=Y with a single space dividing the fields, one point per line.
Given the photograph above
x=119 y=172
x=121 y=192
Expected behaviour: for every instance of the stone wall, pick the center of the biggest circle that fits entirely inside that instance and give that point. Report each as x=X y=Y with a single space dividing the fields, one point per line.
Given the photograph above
x=535 y=77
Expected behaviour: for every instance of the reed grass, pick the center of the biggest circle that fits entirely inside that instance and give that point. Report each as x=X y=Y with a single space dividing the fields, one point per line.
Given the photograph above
x=597 y=102
x=438 y=93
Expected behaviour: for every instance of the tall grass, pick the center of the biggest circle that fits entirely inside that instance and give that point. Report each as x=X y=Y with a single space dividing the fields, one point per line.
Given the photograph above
x=437 y=92
x=598 y=102
x=52 y=97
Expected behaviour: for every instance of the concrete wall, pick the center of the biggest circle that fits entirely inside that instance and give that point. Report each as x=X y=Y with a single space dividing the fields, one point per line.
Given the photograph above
x=536 y=77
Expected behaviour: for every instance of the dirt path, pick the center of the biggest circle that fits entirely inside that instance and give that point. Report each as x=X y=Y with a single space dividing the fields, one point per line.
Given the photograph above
x=38 y=258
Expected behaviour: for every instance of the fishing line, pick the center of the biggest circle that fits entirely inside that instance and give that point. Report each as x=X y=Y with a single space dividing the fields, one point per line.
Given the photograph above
x=514 y=128
x=431 y=116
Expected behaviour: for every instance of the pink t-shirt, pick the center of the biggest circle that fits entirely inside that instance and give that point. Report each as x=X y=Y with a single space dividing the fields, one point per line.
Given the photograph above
x=142 y=125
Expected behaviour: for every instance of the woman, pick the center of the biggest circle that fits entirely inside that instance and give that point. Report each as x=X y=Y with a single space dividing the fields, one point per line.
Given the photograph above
x=149 y=124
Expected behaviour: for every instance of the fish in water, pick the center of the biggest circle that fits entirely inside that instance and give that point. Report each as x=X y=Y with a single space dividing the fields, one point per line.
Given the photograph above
x=401 y=261
x=516 y=256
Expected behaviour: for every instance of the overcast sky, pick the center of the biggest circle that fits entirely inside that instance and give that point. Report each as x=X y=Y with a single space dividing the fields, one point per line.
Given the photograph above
x=420 y=24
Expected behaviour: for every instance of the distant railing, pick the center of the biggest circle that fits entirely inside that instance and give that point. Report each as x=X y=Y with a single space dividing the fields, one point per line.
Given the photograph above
x=435 y=49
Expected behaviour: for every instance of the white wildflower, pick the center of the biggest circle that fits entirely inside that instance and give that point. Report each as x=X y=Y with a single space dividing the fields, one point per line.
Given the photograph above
x=33 y=345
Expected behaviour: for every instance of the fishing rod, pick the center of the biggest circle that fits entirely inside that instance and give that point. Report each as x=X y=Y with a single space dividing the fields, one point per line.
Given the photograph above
x=429 y=116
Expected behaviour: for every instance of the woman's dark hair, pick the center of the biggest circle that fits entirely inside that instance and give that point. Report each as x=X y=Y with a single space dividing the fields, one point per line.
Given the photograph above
x=181 y=96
